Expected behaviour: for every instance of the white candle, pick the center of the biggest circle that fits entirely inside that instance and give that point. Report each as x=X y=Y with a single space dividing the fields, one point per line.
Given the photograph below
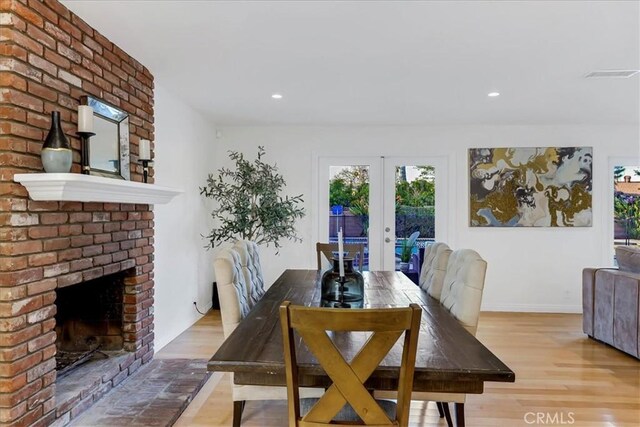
x=85 y=118
x=144 y=150
x=340 y=253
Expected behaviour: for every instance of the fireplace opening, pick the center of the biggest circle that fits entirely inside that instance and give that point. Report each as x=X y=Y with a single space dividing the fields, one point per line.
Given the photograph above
x=89 y=321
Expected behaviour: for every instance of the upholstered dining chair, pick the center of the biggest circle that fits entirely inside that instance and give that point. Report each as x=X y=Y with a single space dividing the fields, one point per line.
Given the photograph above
x=462 y=296
x=234 y=306
x=251 y=269
x=462 y=290
x=326 y=250
x=347 y=402
x=434 y=268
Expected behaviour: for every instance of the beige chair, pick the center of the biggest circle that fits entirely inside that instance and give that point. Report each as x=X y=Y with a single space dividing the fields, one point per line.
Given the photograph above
x=461 y=295
x=234 y=306
x=434 y=268
x=251 y=269
x=463 y=287
x=232 y=289
x=353 y=250
x=347 y=402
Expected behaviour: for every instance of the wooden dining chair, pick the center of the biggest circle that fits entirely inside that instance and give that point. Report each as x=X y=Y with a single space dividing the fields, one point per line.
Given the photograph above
x=353 y=250
x=347 y=401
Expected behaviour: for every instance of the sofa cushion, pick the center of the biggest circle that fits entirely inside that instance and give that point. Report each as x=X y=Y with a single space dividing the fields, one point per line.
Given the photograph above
x=628 y=258
x=603 y=311
x=625 y=321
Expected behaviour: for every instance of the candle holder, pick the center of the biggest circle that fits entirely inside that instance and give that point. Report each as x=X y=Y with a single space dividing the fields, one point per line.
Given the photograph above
x=84 y=151
x=145 y=169
x=144 y=157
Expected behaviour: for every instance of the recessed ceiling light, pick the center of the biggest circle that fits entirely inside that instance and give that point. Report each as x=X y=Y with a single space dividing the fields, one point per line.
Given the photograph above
x=493 y=94
x=276 y=96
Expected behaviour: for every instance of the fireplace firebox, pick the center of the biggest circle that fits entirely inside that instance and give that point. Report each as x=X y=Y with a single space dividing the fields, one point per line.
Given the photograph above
x=88 y=321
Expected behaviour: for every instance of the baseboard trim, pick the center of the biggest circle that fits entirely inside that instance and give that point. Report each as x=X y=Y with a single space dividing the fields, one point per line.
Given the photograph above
x=534 y=308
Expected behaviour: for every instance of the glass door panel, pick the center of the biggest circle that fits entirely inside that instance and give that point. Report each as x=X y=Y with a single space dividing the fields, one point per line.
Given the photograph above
x=349 y=206
x=349 y=200
x=411 y=201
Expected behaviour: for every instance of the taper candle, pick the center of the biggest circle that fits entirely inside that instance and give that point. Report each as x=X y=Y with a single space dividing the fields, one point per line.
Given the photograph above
x=341 y=253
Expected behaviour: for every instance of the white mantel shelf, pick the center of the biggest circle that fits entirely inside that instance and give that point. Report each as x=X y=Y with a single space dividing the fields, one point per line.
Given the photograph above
x=88 y=188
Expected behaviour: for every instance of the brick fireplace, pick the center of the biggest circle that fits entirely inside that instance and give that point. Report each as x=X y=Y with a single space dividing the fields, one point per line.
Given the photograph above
x=49 y=58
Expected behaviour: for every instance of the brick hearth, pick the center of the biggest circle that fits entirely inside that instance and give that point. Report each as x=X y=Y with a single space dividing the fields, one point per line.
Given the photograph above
x=50 y=57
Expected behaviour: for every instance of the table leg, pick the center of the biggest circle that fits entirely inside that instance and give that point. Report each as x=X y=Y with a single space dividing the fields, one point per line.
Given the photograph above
x=459 y=408
x=238 y=406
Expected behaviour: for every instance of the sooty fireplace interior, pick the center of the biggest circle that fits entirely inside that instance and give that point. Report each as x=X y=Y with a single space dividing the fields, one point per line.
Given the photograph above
x=88 y=321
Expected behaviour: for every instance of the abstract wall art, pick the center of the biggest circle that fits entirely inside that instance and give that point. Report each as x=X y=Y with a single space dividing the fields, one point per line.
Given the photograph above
x=530 y=187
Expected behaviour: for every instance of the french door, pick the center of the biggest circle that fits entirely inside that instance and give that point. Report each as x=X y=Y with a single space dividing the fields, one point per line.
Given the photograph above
x=382 y=202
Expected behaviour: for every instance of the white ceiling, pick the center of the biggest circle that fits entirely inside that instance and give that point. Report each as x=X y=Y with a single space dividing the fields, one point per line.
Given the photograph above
x=385 y=63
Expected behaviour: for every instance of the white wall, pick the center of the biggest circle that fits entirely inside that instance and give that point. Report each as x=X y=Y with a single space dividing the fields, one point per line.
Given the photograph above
x=184 y=145
x=530 y=269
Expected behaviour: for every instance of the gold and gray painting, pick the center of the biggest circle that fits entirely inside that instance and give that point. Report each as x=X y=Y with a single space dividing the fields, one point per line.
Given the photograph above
x=530 y=187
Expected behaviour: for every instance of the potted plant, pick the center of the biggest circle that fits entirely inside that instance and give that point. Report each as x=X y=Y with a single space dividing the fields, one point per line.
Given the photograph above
x=406 y=250
x=250 y=204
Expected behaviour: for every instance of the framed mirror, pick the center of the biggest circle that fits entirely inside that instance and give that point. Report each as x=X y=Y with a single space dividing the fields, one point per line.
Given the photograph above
x=109 y=148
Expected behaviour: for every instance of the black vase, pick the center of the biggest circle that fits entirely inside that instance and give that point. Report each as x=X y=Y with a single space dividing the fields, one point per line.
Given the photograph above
x=348 y=291
x=56 y=151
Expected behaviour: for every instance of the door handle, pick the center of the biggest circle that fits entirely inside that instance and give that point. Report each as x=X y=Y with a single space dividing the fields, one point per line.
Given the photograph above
x=387 y=229
x=387 y=240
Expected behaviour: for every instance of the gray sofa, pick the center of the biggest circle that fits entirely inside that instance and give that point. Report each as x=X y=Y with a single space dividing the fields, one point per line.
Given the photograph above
x=611 y=302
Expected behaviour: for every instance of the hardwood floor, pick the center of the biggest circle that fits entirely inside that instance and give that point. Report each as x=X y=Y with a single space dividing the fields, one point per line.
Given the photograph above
x=562 y=378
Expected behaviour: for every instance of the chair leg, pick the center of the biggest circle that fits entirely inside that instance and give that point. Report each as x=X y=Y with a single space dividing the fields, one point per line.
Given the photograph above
x=440 y=411
x=459 y=408
x=447 y=414
x=238 y=406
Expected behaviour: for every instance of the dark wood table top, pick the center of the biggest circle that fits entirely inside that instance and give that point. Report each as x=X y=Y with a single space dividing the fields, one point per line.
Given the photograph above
x=448 y=359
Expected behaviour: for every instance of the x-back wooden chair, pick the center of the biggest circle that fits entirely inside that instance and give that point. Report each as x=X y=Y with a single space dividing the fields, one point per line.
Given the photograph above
x=353 y=250
x=347 y=401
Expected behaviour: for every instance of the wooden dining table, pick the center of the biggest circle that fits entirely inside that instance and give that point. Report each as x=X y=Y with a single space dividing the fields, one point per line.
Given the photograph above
x=449 y=359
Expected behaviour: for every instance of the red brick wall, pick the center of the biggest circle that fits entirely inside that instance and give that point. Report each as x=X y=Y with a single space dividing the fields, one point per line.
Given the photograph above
x=49 y=57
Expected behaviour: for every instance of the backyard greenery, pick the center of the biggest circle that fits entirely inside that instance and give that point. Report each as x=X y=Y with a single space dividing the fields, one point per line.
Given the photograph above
x=627 y=213
x=414 y=199
x=406 y=249
x=618 y=172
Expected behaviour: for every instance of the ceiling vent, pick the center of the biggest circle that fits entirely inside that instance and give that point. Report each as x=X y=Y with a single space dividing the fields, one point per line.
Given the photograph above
x=612 y=74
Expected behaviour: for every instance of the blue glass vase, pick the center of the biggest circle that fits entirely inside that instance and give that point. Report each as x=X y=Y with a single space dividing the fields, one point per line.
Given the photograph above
x=345 y=292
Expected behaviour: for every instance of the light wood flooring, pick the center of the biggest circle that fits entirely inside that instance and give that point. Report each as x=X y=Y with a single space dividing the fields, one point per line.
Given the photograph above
x=562 y=378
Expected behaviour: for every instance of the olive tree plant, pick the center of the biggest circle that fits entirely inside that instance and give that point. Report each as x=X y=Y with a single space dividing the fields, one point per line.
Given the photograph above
x=249 y=203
